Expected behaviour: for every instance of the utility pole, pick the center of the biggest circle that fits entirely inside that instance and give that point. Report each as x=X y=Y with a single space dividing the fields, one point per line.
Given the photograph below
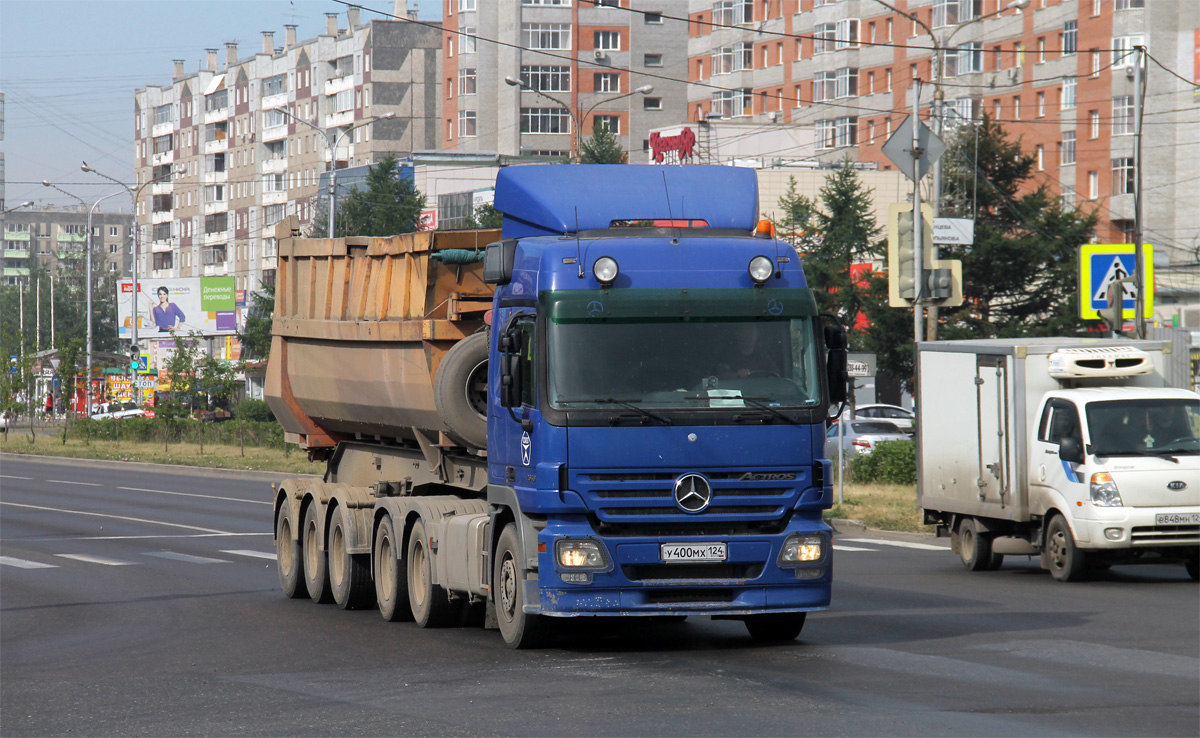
x=917 y=219
x=37 y=334
x=1139 y=95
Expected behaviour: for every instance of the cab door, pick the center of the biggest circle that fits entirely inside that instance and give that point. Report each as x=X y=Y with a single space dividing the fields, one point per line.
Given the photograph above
x=1050 y=474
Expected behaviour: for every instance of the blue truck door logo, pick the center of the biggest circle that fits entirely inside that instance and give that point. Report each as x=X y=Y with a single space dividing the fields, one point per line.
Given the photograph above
x=595 y=309
x=526 y=448
x=774 y=307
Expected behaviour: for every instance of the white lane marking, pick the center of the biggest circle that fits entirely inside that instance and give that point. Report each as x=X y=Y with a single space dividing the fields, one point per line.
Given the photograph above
x=14 y=476
x=851 y=548
x=192 y=494
x=24 y=564
x=186 y=558
x=901 y=544
x=81 y=484
x=94 y=560
x=116 y=517
x=135 y=538
x=252 y=554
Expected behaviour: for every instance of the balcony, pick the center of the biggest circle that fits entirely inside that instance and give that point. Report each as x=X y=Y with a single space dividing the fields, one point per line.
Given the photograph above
x=72 y=238
x=337 y=120
x=161 y=129
x=217 y=146
x=274 y=166
x=16 y=271
x=162 y=188
x=274 y=198
x=216 y=177
x=162 y=158
x=216 y=116
x=16 y=253
x=161 y=216
x=339 y=84
x=219 y=206
x=159 y=247
x=270 y=102
x=274 y=133
x=16 y=235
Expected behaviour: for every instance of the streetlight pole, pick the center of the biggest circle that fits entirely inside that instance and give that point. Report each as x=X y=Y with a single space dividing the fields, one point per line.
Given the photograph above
x=577 y=120
x=333 y=144
x=22 y=205
x=134 y=194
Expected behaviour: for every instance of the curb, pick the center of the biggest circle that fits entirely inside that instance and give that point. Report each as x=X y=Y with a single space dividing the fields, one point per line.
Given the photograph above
x=161 y=468
x=847 y=526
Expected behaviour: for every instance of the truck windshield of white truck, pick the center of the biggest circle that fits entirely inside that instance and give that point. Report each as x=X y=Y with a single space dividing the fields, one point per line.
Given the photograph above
x=704 y=349
x=1144 y=426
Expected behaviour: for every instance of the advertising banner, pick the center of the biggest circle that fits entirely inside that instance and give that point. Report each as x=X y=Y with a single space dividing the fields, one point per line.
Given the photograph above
x=167 y=307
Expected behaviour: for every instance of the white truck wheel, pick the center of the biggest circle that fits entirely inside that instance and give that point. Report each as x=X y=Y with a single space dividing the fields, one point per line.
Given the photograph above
x=1066 y=562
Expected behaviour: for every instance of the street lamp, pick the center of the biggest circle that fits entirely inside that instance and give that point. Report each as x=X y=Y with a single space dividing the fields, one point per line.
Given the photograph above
x=134 y=193
x=90 y=247
x=576 y=119
x=333 y=144
x=22 y=205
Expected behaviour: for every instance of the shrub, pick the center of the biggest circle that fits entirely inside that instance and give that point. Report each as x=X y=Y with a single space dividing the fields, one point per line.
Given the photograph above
x=256 y=410
x=891 y=462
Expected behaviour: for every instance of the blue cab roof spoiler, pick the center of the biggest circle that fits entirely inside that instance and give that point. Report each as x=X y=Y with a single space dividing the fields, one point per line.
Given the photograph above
x=549 y=199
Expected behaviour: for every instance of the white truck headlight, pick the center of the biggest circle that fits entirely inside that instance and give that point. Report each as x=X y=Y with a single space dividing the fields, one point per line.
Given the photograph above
x=1104 y=491
x=580 y=554
x=799 y=550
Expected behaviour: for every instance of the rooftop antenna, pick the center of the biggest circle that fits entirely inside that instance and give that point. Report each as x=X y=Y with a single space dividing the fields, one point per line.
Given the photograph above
x=578 y=250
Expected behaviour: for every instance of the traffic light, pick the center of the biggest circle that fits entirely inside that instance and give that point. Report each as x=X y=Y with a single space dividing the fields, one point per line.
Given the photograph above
x=134 y=358
x=901 y=251
x=1114 y=314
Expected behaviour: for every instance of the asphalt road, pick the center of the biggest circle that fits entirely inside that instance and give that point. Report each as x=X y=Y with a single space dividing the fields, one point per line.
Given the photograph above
x=141 y=600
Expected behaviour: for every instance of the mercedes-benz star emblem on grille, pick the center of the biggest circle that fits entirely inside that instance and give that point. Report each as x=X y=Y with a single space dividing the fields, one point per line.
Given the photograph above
x=692 y=493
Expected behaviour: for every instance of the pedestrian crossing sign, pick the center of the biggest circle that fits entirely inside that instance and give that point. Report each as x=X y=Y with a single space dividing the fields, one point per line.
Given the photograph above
x=1102 y=264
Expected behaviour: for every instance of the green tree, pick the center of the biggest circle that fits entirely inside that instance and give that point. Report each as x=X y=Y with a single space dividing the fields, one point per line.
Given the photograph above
x=389 y=204
x=217 y=380
x=69 y=353
x=180 y=369
x=798 y=224
x=256 y=337
x=485 y=216
x=602 y=147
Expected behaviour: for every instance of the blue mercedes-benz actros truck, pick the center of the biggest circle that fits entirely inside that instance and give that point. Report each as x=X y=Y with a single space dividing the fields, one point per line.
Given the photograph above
x=616 y=408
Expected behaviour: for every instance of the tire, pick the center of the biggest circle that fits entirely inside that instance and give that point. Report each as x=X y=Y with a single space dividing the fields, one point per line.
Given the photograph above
x=776 y=627
x=349 y=574
x=1193 y=569
x=391 y=581
x=1065 y=561
x=460 y=390
x=289 y=561
x=316 y=571
x=518 y=628
x=975 y=548
x=431 y=608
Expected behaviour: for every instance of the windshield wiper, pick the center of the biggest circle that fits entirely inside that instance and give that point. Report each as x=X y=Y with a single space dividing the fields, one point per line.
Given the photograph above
x=1168 y=455
x=755 y=401
x=630 y=404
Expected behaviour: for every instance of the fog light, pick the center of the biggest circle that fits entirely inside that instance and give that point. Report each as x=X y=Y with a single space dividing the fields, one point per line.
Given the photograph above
x=1114 y=534
x=761 y=268
x=801 y=549
x=605 y=270
x=576 y=577
x=810 y=573
x=1104 y=491
x=581 y=554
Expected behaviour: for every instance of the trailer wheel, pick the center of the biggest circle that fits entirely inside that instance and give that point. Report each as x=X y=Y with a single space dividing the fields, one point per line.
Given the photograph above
x=349 y=574
x=316 y=573
x=975 y=548
x=431 y=608
x=776 y=627
x=519 y=628
x=460 y=389
x=1067 y=562
x=391 y=583
x=289 y=562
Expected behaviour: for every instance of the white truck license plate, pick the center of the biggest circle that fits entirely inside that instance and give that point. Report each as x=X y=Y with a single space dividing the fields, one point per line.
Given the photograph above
x=687 y=552
x=1177 y=519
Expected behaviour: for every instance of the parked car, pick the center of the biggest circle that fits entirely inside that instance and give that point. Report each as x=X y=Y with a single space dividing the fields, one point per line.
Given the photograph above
x=862 y=436
x=119 y=410
x=895 y=413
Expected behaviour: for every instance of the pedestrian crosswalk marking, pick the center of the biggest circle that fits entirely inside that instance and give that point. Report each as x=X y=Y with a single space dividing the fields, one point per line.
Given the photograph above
x=851 y=548
x=185 y=558
x=901 y=544
x=252 y=554
x=94 y=560
x=24 y=564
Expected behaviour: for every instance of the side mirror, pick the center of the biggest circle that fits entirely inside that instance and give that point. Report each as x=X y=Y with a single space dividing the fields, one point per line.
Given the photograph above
x=510 y=364
x=498 y=261
x=836 y=370
x=1070 y=450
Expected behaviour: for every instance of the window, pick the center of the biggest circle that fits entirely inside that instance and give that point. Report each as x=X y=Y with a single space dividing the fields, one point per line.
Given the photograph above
x=274 y=182
x=547 y=79
x=1068 y=148
x=732 y=12
x=847 y=33
x=216 y=222
x=1040 y=152
x=824 y=36
x=1096 y=62
x=1016 y=108
x=733 y=103
x=1093 y=185
x=1068 y=94
x=1122 y=115
x=607 y=40
x=343 y=101
x=966 y=59
x=836 y=133
x=655 y=19
x=954 y=12
x=606 y=82
x=888 y=79
x=161 y=232
x=1094 y=120
x=468 y=5
x=611 y=122
x=274 y=118
x=652 y=60
x=274 y=85
x=162 y=144
x=1041 y=105
x=466 y=123
x=548 y=36
x=162 y=114
x=1059 y=421
x=847 y=82
x=545 y=120
x=1129 y=4
x=998 y=111
x=1123 y=50
x=466 y=81
x=213 y=255
x=113 y=230
x=467 y=41
x=824 y=86
x=1070 y=37
x=162 y=260
x=958 y=111
x=652 y=103
x=219 y=100
x=1122 y=181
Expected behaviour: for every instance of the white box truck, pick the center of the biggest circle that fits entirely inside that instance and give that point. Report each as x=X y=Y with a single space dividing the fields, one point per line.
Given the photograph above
x=1073 y=450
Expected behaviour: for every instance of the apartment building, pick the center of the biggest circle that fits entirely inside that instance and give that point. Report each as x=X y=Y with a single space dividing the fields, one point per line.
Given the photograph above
x=589 y=57
x=220 y=155
x=1057 y=73
x=55 y=240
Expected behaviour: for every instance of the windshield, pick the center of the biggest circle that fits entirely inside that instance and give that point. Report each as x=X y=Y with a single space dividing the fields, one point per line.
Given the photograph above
x=1137 y=427
x=691 y=349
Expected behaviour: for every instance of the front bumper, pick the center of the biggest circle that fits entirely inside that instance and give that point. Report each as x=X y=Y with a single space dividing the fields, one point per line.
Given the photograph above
x=1139 y=528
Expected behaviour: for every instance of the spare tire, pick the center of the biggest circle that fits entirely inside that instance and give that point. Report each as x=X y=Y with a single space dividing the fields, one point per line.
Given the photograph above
x=460 y=390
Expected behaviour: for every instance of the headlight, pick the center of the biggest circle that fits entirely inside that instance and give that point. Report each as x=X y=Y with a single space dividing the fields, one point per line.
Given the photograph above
x=799 y=550
x=761 y=268
x=605 y=270
x=1104 y=491
x=581 y=554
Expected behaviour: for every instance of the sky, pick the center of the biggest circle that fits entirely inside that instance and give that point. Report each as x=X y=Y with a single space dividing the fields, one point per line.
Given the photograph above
x=69 y=68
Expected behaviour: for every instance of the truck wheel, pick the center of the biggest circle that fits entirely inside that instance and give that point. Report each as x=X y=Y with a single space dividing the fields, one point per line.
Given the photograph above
x=431 y=608
x=975 y=549
x=391 y=584
x=775 y=627
x=460 y=389
x=349 y=574
x=288 y=559
x=1067 y=562
x=519 y=629
x=316 y=574
x=1193 y=569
